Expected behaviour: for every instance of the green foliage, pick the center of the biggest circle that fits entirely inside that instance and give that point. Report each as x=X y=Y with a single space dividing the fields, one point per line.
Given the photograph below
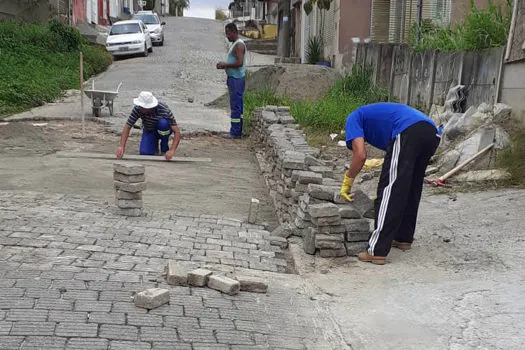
x=314 y=50
x=38 y=62
x=220 y=15
x=329 y=113
x=481 y=29
x=321 y=4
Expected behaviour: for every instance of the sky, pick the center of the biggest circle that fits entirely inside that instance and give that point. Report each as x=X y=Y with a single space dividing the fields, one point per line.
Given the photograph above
x=205 y=8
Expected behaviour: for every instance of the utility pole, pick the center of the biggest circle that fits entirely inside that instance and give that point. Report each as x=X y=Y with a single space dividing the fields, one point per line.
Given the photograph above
x=284 y=33
x=419 y=19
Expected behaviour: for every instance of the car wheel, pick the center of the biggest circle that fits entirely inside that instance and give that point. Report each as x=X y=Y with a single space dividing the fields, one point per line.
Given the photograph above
x=151 y=48
x=145 y=53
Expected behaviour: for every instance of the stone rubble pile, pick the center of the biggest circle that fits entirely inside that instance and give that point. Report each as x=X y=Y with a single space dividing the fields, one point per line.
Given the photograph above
x=304 y=189
x=465 y=134
x=129 y=181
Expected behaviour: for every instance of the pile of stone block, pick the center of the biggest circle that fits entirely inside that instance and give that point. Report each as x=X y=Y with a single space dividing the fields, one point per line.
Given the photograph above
x=130 y=181
x=179 y=275
x=305 y=190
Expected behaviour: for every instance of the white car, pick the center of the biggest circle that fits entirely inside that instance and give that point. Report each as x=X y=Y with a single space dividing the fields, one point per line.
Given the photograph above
x=128 y=38
x=154 y=25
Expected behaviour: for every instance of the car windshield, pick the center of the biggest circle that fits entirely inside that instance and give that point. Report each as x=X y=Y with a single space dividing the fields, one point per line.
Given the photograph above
x=130 y=28
x=147 y=19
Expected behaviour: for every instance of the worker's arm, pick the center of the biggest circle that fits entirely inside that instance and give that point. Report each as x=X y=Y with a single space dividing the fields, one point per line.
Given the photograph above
x=238 y=52
x=123 y=139
x=358 y=158
x=176 y=140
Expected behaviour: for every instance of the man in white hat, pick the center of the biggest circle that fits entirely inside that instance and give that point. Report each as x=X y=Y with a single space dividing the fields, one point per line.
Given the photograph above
x=158 y=124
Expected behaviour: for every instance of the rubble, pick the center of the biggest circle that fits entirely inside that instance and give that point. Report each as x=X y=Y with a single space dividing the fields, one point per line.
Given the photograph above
x=152 y=298
x=465 y=134
x=224 y=284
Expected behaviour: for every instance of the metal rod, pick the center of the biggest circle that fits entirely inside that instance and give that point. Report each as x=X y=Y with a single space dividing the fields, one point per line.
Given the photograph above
x=82 y=93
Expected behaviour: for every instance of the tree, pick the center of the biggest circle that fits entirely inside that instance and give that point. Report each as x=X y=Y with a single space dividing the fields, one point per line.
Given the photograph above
x=177 y=7
x=321 y=4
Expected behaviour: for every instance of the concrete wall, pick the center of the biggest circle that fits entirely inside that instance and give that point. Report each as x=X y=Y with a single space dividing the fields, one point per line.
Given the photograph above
x=513 y=88
x=353 y=22
x=39 y=11
x=421 y=79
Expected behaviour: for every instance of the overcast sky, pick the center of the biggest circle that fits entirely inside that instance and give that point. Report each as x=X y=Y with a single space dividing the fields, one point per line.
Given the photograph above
x=205 y=8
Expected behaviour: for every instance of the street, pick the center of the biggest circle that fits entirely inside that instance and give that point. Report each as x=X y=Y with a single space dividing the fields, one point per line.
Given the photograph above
x=69 y=266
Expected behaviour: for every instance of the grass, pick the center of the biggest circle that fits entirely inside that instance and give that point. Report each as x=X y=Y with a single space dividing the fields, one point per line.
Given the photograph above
x=327 y=114
x=39 y=62
x=481 y=29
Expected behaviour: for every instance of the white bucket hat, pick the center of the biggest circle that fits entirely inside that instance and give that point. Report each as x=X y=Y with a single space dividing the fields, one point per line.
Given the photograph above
x=146 y=100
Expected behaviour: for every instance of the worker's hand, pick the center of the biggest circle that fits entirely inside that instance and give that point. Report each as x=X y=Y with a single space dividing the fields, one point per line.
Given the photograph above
x=346 y=188
x=373 y=163
x=120 y=152
x=168 y=155
x=221 y=65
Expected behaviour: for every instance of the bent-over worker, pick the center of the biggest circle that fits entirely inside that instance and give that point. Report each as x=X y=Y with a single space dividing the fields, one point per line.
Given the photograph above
x=410 y=139
x=158 y=124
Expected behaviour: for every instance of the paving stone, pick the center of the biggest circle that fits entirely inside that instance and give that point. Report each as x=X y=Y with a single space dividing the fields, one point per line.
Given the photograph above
x=197 y=335
x=357 y=236
x=199 y=277
x=234 y=337
x=10 y=342
x=332 y=253
x=210 y=346
x=67 y=316
x=252 y=284
x=129 y=178
x=171 y=346
x=216 y=324
x=309 y=235
x=87 y=344
x=131 y=212
x=129 y=169
x=181 y=322
x=278 y=241
x=160 y=334
x=128 y=345
x=130 y=187
x=92 y=305
x=363 y=204
x=329 y=241
x=177 y=274
x=76 y=330
x=322 y=192
x=347 y=211
x=224 y=284
x=354 y=248
x=33 y=328
x=129 y=203
x=26 y=315
x=118 y=332
x=5 y=327
x=152 y=298
x=107 y=318
x=361 y=225
x=128 y=195
x=145 y=320
x=327 y=220
x=42 y=343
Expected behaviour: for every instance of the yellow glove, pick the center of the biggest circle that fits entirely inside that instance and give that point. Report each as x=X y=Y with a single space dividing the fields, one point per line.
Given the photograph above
x=373 y=163
x=345 y=189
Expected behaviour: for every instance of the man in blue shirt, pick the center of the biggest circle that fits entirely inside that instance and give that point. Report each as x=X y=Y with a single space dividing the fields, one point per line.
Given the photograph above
x=410 y=139
x=235 y=67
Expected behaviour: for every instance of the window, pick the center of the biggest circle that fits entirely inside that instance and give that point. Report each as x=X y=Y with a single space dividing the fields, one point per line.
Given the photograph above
x=147 y=19
x=130 y=28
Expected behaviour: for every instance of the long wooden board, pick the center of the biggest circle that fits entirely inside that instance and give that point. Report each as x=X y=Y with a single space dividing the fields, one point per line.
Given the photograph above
x=131 y=157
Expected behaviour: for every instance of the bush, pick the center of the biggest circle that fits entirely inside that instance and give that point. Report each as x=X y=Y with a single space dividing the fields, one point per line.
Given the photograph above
x=481 y=29
x=38 y=62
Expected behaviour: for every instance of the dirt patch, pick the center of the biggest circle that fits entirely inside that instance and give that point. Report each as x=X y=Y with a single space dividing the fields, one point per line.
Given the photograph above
x=297 y=81
x=223 y=187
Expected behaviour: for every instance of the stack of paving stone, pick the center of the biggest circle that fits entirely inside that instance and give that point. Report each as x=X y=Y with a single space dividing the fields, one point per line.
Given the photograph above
x=304 y=190
x=130 y=181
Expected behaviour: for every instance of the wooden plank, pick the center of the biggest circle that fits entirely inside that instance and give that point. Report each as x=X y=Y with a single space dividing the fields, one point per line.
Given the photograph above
x=131 y=157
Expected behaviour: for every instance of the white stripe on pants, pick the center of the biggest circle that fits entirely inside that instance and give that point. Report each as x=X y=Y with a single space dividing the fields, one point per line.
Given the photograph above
x=386 y=195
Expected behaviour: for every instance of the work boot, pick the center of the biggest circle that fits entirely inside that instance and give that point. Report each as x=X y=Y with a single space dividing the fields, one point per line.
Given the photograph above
x=378 y=260
x=402 y=245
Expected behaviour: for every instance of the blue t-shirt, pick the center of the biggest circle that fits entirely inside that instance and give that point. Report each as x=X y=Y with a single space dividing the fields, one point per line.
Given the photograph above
x=380 y=123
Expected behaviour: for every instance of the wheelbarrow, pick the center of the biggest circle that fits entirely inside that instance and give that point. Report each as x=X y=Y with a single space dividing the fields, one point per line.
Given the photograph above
x=101 y=99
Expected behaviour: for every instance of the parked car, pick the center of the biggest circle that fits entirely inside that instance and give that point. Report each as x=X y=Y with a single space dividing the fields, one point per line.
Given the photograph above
x=154 y=25
x=129 y=37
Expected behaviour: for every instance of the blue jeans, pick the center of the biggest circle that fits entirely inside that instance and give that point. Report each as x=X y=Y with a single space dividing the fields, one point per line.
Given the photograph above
x=236 y=88
x=149 y=144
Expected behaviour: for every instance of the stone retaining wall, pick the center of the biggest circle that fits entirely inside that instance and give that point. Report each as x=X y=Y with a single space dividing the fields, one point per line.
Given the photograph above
x=304 y=188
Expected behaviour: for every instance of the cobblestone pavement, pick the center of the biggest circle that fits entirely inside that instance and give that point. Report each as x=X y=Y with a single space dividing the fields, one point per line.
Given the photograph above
x=69 y=269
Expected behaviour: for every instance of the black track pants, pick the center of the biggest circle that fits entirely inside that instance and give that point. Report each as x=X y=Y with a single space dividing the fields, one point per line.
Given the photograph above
x=400 y=186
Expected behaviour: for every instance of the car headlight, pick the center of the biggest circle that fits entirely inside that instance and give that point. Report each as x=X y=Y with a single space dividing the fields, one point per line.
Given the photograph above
x=157 y=31
x=136 y=42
